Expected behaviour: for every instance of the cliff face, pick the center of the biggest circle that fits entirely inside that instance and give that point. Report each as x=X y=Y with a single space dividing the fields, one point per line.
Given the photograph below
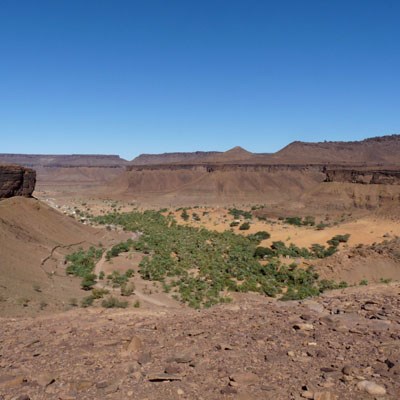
x=16 y=181
x=377 y=177
x=217 y=183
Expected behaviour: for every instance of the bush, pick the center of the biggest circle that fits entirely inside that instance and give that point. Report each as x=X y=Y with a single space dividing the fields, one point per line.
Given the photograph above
x=338 y=239
x=262 y=252
x=87 y=301
x=136 y=304
x=119 y=248
x=363 y=282
x=113 y=302
x=234 y=223
x=294 y=221
x=236 y=213
x=88 y=281
x=98 y=293
x=245 y=226
x=127 y=289
x=185 y=215
x=73 y=302
x=259 y=236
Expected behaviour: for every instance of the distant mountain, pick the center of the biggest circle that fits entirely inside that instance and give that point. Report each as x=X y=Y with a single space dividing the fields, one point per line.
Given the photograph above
x=63 y=160
x=171 y=158
x=384 y=150
x=378 y=150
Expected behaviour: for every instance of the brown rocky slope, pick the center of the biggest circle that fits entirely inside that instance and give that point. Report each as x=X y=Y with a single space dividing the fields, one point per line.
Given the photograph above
x=34 y=240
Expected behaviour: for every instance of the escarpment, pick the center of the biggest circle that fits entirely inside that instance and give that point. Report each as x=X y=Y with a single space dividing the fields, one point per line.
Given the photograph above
x=16 y=181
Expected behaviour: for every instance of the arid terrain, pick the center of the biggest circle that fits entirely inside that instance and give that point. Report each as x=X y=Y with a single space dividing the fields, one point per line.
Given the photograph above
x=203 y=275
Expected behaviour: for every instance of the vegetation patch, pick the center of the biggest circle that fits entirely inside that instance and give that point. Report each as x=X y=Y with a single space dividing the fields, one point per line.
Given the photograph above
x=198 y=265
x=82 y=264
x=236 y=213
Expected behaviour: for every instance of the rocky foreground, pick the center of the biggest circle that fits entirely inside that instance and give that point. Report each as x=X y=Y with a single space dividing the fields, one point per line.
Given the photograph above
x=344 y=345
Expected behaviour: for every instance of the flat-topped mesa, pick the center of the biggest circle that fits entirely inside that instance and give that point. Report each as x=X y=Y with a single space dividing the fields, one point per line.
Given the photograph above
x=63 y=160
x=16 y=181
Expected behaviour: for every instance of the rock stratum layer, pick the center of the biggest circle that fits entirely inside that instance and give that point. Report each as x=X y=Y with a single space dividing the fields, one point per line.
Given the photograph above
x=16 y=181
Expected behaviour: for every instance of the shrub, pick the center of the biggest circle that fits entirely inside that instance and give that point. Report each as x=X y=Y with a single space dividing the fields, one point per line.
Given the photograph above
x=259 y=236
x=119 y=248
x=236 y=213
x=98 y=293
x=129 y=273
x=113 y=302
x=88 y=281
x=338 y=239
x=196 y=217
x=245 y=226
x=309 y=221
x=321 y=226
x=127 y=289
x=136 y=304
x=87 y=301
x=234 y=223
x=262 y=252
x=185 y=215
x=363 y=282
x=73 y=302
x=294 y=221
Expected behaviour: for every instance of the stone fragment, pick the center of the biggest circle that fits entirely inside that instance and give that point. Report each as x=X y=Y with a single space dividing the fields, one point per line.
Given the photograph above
x=162 y=376
x=244 y=378
x=303 y=327
x=135 y=345
x=371 y=388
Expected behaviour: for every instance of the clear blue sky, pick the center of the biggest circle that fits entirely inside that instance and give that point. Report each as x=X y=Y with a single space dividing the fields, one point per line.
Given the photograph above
x=126 y=77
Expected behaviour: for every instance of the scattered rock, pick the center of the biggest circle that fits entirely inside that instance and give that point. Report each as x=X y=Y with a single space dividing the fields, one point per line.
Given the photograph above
x=135 y=345
x=9 y=381
x=45 y=379
x=303 y=327
x=161 y=376
x=228 y=390
x=371 y=388
x=245 y=378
